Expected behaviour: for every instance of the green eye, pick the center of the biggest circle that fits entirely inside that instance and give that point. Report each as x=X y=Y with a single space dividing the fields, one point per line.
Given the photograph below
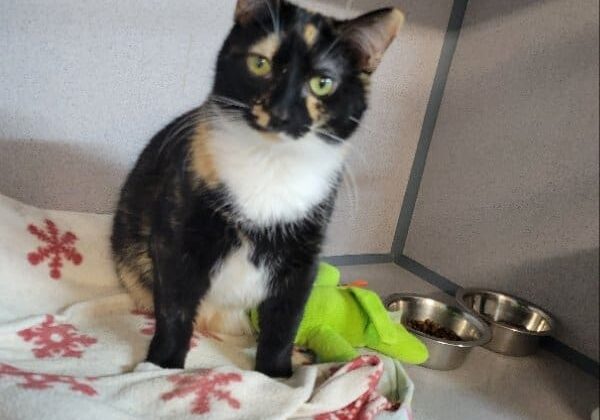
x=321 y=85
x=258 y=65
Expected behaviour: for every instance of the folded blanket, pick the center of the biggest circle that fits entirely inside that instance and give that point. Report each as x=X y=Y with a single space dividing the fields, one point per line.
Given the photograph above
x=72 y=345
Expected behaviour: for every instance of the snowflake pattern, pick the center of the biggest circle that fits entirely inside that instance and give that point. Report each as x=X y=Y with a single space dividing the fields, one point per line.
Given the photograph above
x=56 y=340
x=149 y=327
x=32 y=380
x=205 y=385
x=369 y=404
x=56 y=248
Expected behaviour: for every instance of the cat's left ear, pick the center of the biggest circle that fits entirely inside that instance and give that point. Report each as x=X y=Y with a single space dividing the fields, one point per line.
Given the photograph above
x=247 y=10
x=371 y=34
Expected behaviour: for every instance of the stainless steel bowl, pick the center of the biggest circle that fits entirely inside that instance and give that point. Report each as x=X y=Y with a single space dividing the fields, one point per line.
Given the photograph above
x=443 y=354
x=516 y=324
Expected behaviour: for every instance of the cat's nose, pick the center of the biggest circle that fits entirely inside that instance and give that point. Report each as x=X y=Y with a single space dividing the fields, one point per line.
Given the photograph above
x=280 y=113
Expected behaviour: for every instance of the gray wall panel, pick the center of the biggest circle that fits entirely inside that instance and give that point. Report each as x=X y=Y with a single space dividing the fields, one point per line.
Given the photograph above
x=509 y=197
x=84 y=84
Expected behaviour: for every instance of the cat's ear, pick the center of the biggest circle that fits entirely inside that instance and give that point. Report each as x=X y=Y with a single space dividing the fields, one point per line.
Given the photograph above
x=371 y=34
x=247 y=10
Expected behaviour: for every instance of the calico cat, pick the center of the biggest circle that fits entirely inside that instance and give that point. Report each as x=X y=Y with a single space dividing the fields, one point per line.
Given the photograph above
x=227 y=206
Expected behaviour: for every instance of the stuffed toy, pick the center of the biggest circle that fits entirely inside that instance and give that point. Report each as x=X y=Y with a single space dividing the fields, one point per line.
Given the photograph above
x=339 y=319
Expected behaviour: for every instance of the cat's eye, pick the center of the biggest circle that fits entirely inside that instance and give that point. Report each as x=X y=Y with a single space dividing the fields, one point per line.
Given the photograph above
x=258 y=65
x=321 y=85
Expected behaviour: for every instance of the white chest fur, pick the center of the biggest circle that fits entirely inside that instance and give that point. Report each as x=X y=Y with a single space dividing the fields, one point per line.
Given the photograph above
x=236 y=286
x=275 y=181
x=237 y=283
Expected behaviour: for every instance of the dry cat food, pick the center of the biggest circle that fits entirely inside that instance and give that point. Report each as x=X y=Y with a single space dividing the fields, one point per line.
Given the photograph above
x=431 y=328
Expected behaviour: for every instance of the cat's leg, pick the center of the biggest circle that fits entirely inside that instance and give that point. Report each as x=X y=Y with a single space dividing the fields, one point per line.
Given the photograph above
x=180 y=282
x=280 y=316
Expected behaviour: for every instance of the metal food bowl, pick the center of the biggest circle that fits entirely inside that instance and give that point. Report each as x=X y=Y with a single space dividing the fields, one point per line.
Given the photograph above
x=516 y=324
x=443 y=354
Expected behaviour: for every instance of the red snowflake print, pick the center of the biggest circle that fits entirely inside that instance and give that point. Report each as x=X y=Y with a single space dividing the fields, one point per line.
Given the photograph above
x=150 y=326
x=32 y=380
x=149 y=322
x=56 y=248
x=370 y=403
x=205 y=385
x=56 y=340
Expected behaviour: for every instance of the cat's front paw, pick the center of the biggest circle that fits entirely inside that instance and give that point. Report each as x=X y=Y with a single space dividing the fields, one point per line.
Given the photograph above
x=275 y=370
x=302 y=356
x=164 y=358
x=170 y=363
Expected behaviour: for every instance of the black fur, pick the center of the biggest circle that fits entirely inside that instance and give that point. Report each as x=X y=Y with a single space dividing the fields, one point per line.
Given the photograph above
x=172 y=229
x=293 y=65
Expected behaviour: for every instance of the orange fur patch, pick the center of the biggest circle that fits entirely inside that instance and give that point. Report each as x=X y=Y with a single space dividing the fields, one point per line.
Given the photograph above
x=314 y=107
x=310 y=34
x=211 y=323
x=130 y=278
x=202 y=160
x=267 y=46
x=262 y=116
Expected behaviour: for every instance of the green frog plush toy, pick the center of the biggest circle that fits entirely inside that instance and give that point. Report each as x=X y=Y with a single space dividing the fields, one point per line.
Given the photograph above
x=339 y=319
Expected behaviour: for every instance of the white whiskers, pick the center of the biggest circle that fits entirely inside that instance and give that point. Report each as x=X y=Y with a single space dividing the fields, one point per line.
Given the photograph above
x=228 y=101
x=354 y=119
x=362 y=125
x=275 y=15
x=351 y=188
x=348 y=178
x=207 y=115
x=327 y=134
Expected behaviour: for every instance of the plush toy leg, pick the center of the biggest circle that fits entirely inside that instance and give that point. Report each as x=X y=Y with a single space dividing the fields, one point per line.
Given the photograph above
x=330 y=346
x=402 y=345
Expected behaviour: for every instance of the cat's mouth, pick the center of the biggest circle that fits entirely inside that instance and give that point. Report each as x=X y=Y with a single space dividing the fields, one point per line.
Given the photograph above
x=271 y=133
x=266 y=132
x=272 y=126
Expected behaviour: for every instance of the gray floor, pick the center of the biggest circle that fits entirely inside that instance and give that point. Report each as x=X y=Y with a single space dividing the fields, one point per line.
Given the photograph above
x=488 y=386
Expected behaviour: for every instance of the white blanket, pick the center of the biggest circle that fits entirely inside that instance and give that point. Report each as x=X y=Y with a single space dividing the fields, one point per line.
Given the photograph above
x=73 y=347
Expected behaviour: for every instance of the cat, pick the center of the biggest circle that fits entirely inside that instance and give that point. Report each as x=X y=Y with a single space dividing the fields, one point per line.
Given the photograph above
x=227 y=206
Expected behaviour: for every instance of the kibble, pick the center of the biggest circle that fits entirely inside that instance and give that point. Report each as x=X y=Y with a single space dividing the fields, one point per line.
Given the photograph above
x=431 y=328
